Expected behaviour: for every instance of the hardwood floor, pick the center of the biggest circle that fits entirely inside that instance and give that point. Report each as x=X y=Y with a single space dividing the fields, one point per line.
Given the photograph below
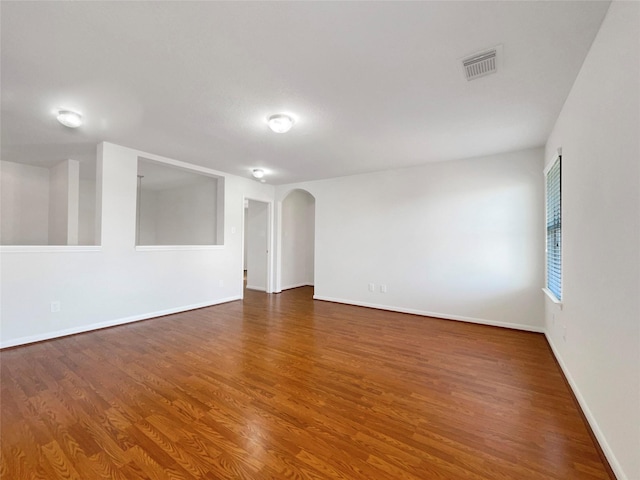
x=282 y=387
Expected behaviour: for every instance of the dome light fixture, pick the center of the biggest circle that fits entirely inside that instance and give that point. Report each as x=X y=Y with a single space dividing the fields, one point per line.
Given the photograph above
x=280 y=123
x=69 y=119
x=257 y=173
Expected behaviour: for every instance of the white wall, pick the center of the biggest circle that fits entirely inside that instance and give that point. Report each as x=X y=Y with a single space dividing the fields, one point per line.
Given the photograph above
x=246 y=226
x=73 y=196
x=148 y=215
x=87 y=212
x=297 y=237
x=24 y=204
x=599 y=131
x=64 y=187
x=310 y=240
x=58 y=203
x=186 y=215
x=115 y=283
x=461 y=239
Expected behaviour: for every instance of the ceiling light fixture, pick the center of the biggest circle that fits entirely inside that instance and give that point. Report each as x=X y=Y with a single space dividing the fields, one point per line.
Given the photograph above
x=69 y=119
x=257 y=173
x=280 y=123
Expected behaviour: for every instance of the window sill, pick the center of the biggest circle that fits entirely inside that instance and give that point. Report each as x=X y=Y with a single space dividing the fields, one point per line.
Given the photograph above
x=552 y=297
x=164 y=248
x=49 y=248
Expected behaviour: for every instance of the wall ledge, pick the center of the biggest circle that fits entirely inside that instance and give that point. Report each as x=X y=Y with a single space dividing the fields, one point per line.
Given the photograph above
x=162 y=248
x=49 y=248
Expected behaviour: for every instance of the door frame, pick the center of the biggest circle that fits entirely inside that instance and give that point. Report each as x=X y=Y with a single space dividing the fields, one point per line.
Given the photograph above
x=270 y=241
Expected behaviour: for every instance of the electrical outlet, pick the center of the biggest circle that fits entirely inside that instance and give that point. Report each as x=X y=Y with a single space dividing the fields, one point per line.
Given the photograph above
x=221 y=283
x=564 y=333
x=55 y=306
x=372 y=287
x=383 y=289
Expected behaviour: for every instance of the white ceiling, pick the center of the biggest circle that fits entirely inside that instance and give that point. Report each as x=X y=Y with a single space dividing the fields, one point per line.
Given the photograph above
x=374 y=85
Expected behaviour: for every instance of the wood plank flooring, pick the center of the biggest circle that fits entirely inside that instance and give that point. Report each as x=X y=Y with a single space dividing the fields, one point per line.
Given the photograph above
x=282 y=387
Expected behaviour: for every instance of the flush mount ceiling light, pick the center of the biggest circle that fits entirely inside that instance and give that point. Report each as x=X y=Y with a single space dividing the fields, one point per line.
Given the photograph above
x=257 y=173
x=69 y=119
x=280 y=123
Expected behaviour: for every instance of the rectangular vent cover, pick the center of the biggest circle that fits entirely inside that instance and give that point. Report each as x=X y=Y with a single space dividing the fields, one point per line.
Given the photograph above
x=481 y=64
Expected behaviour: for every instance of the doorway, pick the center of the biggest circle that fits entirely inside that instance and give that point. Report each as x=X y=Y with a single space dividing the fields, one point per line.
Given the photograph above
x=297 y=240
x=257 y=234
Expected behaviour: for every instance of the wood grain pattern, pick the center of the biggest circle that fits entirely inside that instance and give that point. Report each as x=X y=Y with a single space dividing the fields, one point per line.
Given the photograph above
x=282 y=387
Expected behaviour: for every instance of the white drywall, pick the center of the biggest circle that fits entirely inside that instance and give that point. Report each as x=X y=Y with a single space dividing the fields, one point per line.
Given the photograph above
x=187 y=215
x=64 y=186
x=24 y=204
x=246 y=225
x=297 y=234
x=310 y=239
x=599 y=132
x=58 y=203
x=461 y=239
x=87 y=212
x=146 y=224
x=114 y=283
x=73 y=198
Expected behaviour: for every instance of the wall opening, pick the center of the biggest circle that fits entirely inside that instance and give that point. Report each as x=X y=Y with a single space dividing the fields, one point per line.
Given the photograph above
x=178 y=206
x=257 y=233
x=297 y=249
x=49 y=204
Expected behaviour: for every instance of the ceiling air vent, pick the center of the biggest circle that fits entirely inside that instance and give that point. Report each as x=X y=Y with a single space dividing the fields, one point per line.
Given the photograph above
x=481 y=64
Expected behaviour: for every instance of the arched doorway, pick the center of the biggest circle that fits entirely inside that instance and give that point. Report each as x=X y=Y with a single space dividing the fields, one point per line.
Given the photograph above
x=297 y=247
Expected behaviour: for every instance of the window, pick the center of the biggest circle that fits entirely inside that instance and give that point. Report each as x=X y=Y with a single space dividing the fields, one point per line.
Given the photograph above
x=553 y=181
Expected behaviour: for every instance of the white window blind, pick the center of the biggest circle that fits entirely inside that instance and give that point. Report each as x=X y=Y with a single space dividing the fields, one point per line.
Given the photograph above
x=554 y=228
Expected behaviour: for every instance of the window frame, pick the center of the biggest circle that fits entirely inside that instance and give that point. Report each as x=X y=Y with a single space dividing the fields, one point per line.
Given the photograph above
x=555 y=296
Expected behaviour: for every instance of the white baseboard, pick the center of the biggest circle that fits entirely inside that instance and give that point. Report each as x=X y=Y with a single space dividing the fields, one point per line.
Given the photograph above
x=459 y=318
x=602 y=440
x=297 y=285
x=110 y=323
x=252 y=287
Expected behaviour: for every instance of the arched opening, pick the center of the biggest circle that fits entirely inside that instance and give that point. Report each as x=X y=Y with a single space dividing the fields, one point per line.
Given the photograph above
x=297 y=252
